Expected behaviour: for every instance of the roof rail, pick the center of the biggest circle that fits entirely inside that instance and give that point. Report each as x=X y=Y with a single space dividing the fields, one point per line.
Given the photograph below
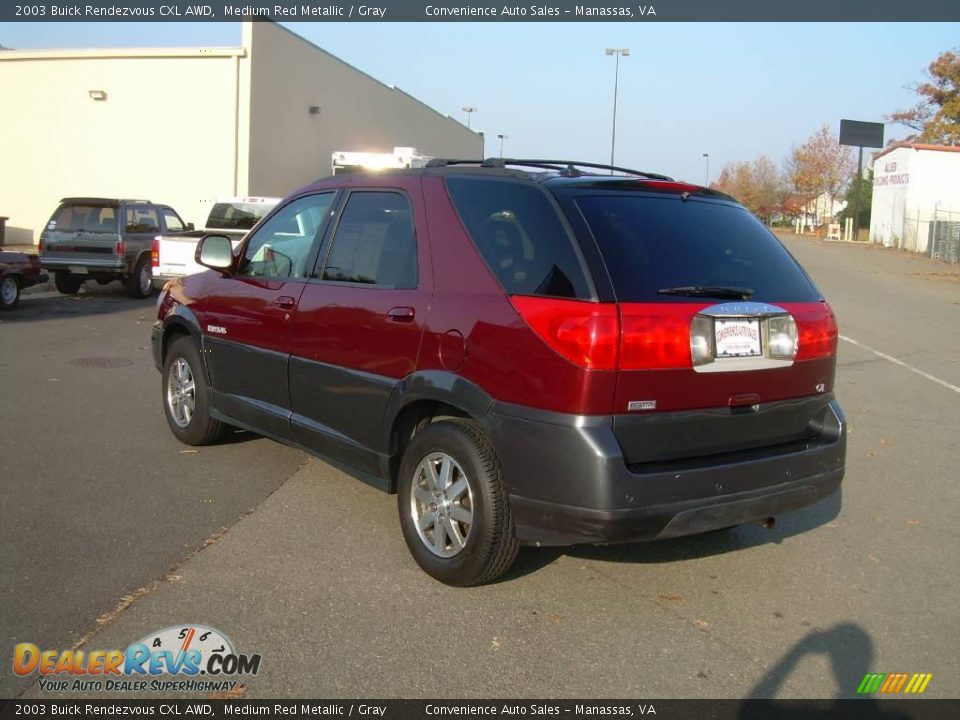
x=567 y=168
x=102 y=200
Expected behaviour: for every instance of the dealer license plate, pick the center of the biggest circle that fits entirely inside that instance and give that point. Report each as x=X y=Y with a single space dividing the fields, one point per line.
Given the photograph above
x=737 y=337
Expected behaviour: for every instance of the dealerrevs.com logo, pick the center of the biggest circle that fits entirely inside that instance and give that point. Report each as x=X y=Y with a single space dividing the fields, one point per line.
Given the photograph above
x=204 y=658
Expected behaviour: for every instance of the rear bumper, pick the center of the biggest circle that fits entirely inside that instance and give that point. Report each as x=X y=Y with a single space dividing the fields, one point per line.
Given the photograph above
x=570 y=482
x=93 y=267
x=161 y=279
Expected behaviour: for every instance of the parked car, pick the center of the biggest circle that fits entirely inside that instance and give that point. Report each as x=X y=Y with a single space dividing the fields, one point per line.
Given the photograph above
x=172 y=256
x=540 y=357
x=18 y=271
x=105 y=239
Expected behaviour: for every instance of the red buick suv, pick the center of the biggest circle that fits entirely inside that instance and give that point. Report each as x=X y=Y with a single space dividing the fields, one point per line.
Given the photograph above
x=527 y=352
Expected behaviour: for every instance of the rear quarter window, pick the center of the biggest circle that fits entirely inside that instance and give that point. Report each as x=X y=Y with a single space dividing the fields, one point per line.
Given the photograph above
x=520 y=236
x=142 y=219
x=652 y=242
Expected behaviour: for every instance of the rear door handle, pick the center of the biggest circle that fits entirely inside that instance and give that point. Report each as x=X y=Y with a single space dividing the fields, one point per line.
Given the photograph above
x=402 y=314
x=285 y=301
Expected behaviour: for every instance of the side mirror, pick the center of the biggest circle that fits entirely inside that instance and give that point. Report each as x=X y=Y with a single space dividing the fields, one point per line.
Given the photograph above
x=215 y=252
x=190 y=227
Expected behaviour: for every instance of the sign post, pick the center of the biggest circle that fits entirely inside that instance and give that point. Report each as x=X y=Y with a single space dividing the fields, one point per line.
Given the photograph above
x=860 y=134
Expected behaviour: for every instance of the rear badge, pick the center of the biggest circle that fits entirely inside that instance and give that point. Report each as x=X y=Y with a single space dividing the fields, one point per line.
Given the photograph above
x=640 y=405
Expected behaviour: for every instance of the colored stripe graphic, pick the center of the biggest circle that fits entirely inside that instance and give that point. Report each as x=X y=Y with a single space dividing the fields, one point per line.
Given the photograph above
x=893 y=683
x=871 y=683
x=927 y=677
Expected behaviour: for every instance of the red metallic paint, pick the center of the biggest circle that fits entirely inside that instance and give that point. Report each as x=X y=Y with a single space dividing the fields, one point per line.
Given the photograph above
x=348 y=326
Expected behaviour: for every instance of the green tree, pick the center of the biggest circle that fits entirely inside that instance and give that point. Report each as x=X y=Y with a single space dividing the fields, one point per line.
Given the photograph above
x=936 y=118
x=866 y=198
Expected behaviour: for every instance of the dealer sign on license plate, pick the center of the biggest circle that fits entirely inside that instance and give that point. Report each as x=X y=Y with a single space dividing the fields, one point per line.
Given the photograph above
x=737 y=337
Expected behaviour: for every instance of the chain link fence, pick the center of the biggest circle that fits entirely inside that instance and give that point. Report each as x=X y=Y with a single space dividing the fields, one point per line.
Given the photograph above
x=934 y=232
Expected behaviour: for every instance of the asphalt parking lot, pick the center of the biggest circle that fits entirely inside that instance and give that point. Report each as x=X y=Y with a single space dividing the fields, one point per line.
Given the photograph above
x=99 y=503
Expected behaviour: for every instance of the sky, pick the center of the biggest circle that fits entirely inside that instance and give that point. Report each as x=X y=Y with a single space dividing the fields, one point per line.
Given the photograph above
x=732 y=90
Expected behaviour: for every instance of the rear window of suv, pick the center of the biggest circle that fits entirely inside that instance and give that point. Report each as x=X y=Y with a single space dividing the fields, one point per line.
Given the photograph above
x=92 y=218
x=652 y=243
x=520 y=236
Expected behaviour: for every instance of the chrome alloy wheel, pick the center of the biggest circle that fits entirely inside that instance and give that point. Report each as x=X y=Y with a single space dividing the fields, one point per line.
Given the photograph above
x=441 y=505
x=145 y=279
x=181 y=392
x=8 y=291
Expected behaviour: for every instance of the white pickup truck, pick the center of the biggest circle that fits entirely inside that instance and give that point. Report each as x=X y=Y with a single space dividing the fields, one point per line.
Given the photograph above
x=172 y=256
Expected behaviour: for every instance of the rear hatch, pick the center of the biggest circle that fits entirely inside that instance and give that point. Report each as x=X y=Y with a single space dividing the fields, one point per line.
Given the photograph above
x=725 y=344
x=85 y=231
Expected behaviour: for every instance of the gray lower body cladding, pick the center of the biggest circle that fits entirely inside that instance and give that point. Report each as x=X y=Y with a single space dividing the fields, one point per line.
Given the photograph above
x=600 y=479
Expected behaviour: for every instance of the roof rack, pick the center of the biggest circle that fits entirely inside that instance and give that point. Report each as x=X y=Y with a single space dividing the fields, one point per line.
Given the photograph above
x=566 y=168
x=84 y=198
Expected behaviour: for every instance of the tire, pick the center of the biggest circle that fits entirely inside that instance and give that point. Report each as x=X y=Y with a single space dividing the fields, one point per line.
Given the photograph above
x=140 y=284
x=186 y=395
x=67 y=283
x=477 y=541
x=9 y=292
x=103 y=280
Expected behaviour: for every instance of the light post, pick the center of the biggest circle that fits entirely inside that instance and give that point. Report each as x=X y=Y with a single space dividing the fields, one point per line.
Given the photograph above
x=616 y=80
x=706 y=182
x=469 y=110
x=502 y=137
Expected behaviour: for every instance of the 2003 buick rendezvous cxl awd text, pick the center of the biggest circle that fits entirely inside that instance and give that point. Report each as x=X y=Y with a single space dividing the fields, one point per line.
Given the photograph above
x=546 y=355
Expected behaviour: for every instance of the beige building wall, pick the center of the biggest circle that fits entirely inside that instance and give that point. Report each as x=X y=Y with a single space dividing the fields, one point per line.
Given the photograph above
x=289 y=147
x=184 y=126
x=167 y=130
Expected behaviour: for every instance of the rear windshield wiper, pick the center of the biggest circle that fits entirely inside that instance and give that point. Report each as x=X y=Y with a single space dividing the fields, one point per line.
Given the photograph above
x=716 y=291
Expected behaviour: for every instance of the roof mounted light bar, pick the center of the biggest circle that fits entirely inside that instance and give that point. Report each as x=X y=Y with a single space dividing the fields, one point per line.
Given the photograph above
x=567 y=168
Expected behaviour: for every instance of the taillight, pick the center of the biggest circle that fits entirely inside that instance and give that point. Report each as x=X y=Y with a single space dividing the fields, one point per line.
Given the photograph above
x=155 y=253
x=121 y=248
x=656 y=336
x=41 y=246
x=666 y=336
x=585 y=333
x=816 y=330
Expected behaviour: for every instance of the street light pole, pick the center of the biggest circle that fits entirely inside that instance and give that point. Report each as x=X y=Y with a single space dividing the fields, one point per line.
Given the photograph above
x=706 y=182
x=469 y=110
x=502 y=137
x=617 y=52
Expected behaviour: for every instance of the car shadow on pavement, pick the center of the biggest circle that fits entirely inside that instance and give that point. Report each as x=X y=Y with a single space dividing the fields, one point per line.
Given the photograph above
x=235 y=436
x=691 y=547
x=92 y=300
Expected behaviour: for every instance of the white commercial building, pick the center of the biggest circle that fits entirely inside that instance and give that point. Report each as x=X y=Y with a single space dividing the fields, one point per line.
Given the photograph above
x=916 y=197
x=182 y=126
